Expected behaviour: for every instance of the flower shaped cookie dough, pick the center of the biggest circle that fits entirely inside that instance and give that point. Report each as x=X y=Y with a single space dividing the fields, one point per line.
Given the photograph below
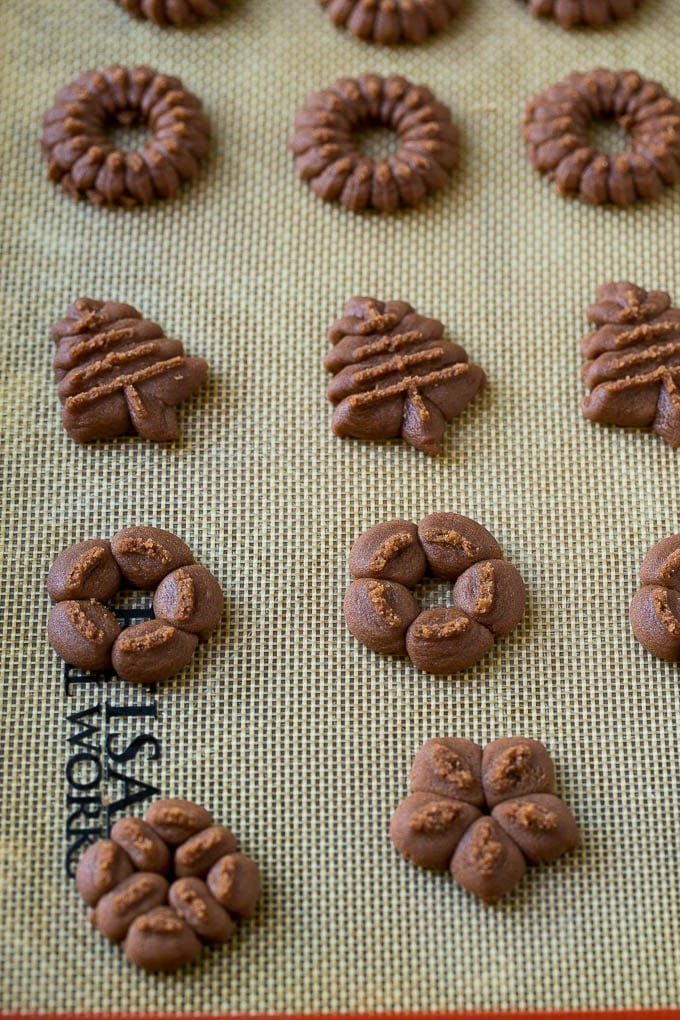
x=483 y=815
x=165 y=884
x=188 y=604
x=390 y=559
x=655 y=609
x=328 y=152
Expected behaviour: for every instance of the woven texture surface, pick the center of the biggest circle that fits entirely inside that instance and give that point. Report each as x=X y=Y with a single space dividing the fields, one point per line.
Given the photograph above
x=293 y=734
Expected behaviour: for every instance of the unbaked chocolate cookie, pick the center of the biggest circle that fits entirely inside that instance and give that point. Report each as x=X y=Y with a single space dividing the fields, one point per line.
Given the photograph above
x=633 y=366
x=395 y=374
x=187 y=604
x=166 y=884
x=556 y=130
x=81 y=157
x=392 y=21
x=179 y=13
x=118 y=373
x=655 y=609
x=483 y=815
x=587 y=13
x=388 y=560
x=328 y=157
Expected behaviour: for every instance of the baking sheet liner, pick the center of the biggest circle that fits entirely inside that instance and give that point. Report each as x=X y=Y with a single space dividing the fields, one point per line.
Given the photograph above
x=293 y=734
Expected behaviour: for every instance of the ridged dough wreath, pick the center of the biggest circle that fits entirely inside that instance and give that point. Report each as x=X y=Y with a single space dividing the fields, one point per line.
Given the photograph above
x=586 y=13
x=556 y=130
x=81 y=157
x=328 y=156
x=179 y=13
x=392 y=21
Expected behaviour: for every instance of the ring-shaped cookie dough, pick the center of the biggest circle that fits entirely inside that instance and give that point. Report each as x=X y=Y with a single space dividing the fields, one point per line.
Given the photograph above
x=586 y=13
x=178 y=13
x=327 y=156
x=392 y=21
x=187 y=604
x=390 y=559
x=557 y=123
x=81 y=157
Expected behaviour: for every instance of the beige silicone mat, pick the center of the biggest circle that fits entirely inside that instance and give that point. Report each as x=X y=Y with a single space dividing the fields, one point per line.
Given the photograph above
x=293 y=734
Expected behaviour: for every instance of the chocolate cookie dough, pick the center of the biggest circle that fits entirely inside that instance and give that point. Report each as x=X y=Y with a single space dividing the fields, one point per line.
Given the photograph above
x=556 y=130
x=178 y=13
x=389 y=559
x=118 y=373
x=655 y=609
x=392 y=21
x=80 y=156
x=587 y=13
x=166 y=884
x=395 y=375
x=632 y=370
x=483 y=815
x=87 y=634
x=328 y=157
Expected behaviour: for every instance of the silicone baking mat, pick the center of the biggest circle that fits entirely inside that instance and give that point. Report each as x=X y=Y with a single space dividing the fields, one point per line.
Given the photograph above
x=283 y=725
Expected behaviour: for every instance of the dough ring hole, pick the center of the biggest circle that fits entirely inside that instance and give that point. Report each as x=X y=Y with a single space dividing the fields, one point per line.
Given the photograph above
x=128 y=135
x=376 y=140
x=606 y=135
x=433 y=593
x=131 y=605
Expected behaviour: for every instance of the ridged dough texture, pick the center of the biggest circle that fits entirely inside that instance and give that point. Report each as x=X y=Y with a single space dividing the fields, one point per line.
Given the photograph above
x=392 y=21
x=118 y=373
x=81 y=157
x=588 y=13
x=556 y=130
x=633 y=366
x=327 y=156
x=173 y=12
x=395 y=374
